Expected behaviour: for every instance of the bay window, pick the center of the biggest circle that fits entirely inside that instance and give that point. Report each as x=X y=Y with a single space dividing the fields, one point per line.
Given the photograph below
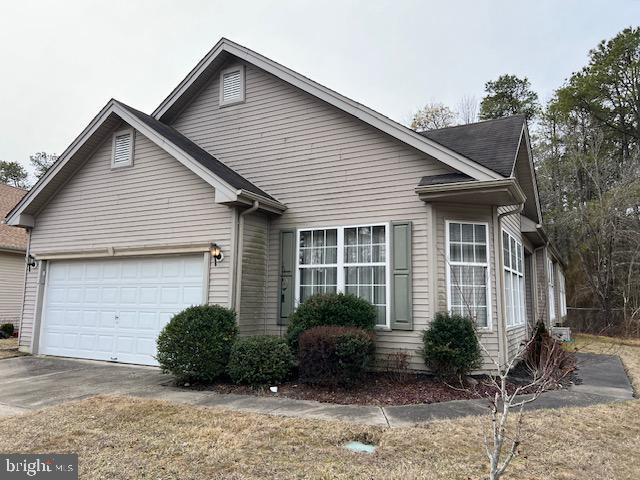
x=514 y=291
x=352 y=260
x=468 y=271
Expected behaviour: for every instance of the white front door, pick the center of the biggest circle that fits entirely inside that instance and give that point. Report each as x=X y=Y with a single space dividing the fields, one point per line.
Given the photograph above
x=114 y=309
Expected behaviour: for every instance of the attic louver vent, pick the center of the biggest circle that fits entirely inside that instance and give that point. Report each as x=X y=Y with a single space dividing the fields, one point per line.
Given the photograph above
x=232 y=88
x=122 y=149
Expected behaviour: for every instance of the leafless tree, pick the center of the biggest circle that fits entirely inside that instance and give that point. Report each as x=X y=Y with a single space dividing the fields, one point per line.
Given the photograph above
x=433 y=116
x=468 y=109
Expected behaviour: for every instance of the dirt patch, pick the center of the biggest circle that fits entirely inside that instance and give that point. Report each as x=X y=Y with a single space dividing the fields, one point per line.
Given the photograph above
x=378 y=389
x=9 y=348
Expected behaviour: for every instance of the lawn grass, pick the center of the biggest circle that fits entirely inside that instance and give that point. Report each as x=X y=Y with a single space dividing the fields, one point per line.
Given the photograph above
x=9 y=348
x=125 y=438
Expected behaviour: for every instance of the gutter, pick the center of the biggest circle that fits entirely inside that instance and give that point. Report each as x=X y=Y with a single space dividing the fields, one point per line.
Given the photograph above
x=238 y=252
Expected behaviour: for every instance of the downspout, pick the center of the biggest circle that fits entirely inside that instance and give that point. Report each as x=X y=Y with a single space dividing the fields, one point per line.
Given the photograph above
x=238 y=253
x=502 y=324
x=24 y=288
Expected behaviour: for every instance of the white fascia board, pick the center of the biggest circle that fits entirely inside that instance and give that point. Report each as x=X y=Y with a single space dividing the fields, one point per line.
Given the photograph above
x=98 y=120
x=223 y=191
x=367 y=115
x=222 y=188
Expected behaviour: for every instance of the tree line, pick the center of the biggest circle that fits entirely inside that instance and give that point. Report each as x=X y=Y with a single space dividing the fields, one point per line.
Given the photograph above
x=14 y=174
x=586 y=144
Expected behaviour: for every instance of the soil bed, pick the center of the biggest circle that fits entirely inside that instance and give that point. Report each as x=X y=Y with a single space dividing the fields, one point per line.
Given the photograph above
x=378 y=389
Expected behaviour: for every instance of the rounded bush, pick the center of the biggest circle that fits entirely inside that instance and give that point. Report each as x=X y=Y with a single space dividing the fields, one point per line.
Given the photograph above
x=330 y=355
x=330 y=309
x=196 y=343
x=7 y=329
x=260 y=360
x=451 y=345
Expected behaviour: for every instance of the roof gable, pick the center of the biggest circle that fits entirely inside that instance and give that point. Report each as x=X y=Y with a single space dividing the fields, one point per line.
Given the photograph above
x=207 y=68
x=492 y=143
x=229 y=186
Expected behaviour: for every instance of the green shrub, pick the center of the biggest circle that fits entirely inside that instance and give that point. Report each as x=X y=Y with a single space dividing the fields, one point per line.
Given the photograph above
x=330 y=355
x=330 y=309
x=196 y=343
x=7 y=328
x=260 y=360
x=451 y=346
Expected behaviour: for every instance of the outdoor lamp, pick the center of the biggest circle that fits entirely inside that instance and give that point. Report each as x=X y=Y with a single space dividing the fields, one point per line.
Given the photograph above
x=216 y=253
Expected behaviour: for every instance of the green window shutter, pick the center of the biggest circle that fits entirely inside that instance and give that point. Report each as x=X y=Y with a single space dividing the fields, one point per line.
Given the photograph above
x=401 y=301
x=287 y=275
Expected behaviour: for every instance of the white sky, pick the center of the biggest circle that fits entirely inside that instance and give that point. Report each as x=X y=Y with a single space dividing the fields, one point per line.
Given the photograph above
x=61 y=61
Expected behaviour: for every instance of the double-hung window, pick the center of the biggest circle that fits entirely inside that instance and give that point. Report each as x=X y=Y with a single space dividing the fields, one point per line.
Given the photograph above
x=514 y=291
x=468 y=271
x=352 y=260
x=552 y=290
x=562 y=293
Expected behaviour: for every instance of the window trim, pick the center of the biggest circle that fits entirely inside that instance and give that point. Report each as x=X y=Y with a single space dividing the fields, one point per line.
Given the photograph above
x=340 y=263
x=523 y=306
x=551 y=289
x=131 y=132
x=235 y=68
x=448 y=263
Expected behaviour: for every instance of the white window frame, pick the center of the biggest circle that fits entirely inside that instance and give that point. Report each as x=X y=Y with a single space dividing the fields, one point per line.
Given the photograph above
x=551 y=290
x=235 y=68
x=449 y=263
x=340 y=263
x=562 y=293
x=124 y=131
x=513 y=271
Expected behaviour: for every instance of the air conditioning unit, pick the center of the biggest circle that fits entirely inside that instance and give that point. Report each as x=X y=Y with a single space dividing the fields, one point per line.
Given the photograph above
x=562 y=334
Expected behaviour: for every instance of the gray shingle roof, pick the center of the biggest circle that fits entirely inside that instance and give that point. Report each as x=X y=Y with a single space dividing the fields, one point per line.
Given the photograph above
x=492 y=143
x=197 y=153
x=444 y=178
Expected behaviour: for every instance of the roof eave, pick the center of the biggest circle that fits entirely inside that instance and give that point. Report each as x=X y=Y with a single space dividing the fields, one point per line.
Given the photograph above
x=500 y=192
x=224 y=192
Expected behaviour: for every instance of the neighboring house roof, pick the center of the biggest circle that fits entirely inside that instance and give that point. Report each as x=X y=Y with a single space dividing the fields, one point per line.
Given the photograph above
x=492 y=143
x=197 y=153
x=229 y=186
x=224 y=49
x=444 y=178
x=11 y=238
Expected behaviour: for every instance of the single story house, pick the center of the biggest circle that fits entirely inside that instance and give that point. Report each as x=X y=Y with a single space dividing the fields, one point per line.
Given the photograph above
x=254 y=187
x=13 y=245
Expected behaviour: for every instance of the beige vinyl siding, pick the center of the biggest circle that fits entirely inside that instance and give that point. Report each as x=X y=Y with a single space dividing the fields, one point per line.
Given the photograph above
x=329 y=168
x=530 y=279
x=29 y=309
x=157 y=202
x=12 y=269
x=470 y=214
x=542 y=284
x=516 y=334
x=252 y=315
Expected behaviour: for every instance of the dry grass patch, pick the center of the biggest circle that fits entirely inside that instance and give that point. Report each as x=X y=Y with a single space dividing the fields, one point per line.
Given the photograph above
x=125 y=438
x=9 y=348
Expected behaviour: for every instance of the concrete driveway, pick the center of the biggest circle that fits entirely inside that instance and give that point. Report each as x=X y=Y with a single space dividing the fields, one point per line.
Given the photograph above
x=28 y=383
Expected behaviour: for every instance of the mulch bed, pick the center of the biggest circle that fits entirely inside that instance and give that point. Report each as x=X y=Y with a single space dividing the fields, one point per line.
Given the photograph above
x=378 y=389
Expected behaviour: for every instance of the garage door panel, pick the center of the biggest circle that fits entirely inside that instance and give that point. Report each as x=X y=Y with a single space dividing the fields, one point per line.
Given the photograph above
x=115 y=309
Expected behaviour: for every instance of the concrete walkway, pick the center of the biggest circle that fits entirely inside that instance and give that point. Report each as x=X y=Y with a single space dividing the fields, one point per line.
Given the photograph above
x=29 y=383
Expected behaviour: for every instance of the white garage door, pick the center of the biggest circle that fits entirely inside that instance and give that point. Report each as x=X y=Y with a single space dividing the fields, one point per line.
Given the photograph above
x=114 y=309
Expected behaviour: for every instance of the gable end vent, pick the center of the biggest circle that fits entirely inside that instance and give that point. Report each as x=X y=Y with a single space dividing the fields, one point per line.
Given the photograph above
x=232 y=85
x=122 y=149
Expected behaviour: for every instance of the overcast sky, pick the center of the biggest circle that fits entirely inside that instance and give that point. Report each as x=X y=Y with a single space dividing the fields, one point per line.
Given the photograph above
x=62 y=61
